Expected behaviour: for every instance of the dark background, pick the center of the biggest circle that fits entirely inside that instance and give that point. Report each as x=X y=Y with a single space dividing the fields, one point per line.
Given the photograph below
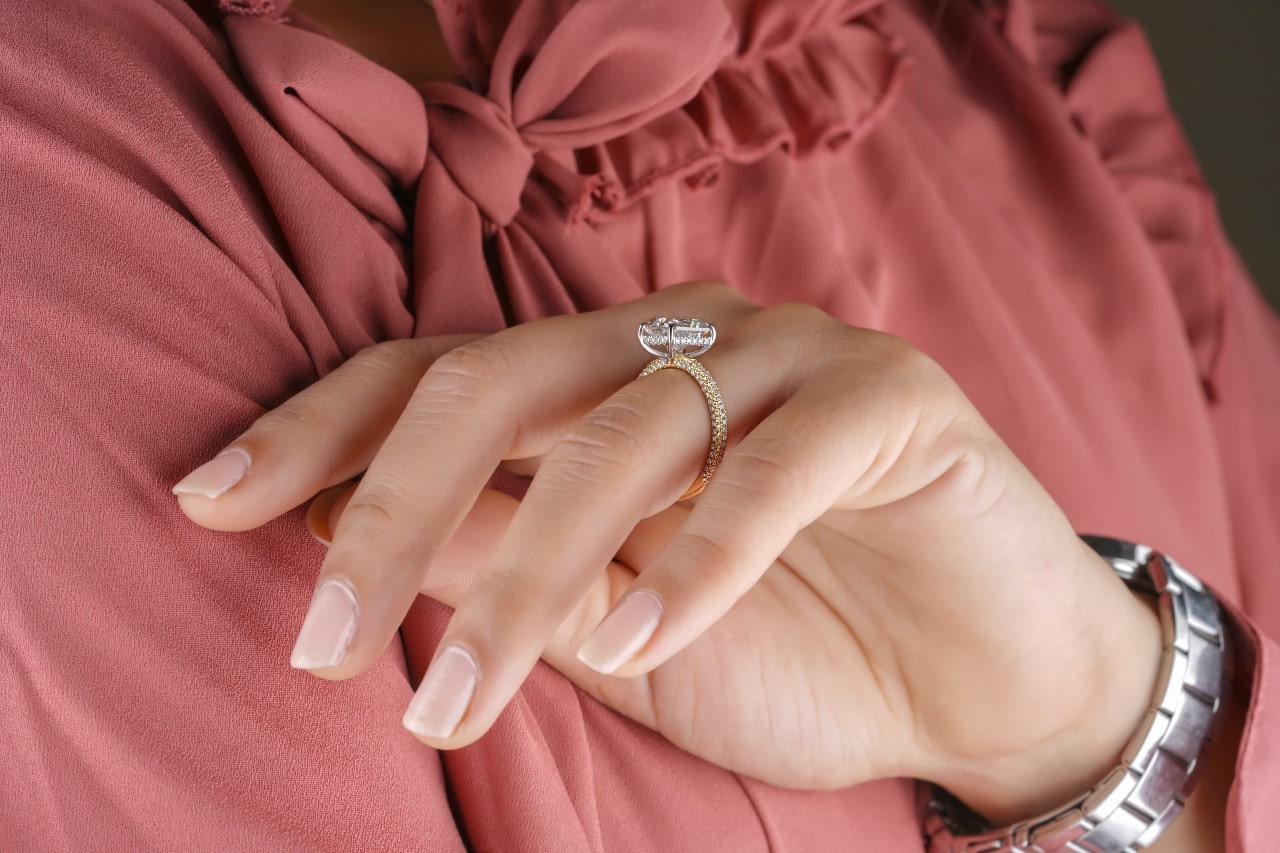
x=1221 y=65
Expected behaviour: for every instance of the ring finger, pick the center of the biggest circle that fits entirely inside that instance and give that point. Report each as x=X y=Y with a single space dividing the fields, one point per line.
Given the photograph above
x=628 y=458
x=507 y=396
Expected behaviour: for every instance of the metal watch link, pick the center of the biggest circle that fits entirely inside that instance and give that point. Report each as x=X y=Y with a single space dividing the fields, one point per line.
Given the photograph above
x=1136 y=801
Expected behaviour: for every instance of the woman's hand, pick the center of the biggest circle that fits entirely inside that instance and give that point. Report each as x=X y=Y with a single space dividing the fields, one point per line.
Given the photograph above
x=872 y=584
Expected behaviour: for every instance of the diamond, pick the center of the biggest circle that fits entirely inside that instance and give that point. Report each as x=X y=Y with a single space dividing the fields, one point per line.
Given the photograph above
x=665 y=336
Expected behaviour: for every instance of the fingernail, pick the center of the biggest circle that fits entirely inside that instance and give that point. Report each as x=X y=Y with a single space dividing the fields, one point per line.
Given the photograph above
x=623 y=632
x=217 y=475
x=329 y=628
x=444 y=694
x=319 y=515
x=322 y=538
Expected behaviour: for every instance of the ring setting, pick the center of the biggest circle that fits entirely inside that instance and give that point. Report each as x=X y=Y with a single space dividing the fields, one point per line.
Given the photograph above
x=676 y=343
x=665 y=336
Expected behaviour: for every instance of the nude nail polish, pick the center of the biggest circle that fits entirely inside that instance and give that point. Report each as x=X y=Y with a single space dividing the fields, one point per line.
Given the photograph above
x=329 y=628
x=623 y=632
x=216 y=476
x=444 y=695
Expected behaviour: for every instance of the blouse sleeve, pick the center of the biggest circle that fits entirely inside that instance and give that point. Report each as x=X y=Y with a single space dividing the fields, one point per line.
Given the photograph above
x=148 y=699
x=1111 y=85
x=1245 y=413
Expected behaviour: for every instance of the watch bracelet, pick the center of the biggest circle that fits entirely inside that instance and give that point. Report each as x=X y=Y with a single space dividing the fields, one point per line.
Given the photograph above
x=1160 y=765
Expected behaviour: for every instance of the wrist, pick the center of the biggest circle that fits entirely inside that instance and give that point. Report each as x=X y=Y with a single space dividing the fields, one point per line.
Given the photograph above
x=1120 y=651
x=1164 y=759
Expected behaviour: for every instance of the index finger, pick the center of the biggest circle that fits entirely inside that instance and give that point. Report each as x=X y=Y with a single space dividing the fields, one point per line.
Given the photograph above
x=311 y=441
x=505 y=396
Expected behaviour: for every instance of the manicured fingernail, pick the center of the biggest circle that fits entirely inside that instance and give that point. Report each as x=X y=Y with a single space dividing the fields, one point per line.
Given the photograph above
x=444 y=694
x=329 y=628
x=217 y=475
x=623 y=632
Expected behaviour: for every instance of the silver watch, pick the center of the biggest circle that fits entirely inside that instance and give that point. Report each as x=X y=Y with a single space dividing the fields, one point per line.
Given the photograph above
x=1136 y=801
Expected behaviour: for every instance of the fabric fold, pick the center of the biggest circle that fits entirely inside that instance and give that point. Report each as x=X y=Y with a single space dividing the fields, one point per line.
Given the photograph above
x=822 y=87
x=633 y=71
x=203 y=217
x=469 y=129
x=576 y=110
x=1117 y=100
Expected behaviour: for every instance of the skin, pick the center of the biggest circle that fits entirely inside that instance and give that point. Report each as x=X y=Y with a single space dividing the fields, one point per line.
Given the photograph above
x=820 y=596
x=401 y=35
x=838 y=556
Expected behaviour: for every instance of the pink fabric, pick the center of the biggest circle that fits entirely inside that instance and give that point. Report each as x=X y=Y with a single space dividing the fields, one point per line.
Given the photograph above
x=202 y=212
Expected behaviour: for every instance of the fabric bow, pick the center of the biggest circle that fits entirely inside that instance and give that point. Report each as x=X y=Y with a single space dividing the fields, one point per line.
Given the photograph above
x=562 y=76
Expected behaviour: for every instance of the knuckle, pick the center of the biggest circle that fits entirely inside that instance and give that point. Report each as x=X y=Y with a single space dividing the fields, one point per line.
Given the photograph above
x=375 y=507
x=319 y=407
x=468 y=371
x=523 y=599
x=902 y=357
x=909 y=374
x=290 y=433
x=609 y=437
x=395 y=355
x=799 y=314
x=925 y=382
x=716 y=559
x=918 y=367
x=298 y=415
x=760 y=468
x=806 y=334
x=502 y=584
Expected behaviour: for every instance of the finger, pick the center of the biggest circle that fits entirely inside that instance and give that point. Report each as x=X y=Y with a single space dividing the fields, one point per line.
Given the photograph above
x=508 y=395
x=650 y=535
x=461 y=558
x=458 y=561
x=795 y=465
x=324 y=511
x=625 y=460
x=744 y=519
x=435 y=707
x=472 y=546
x=325 y=434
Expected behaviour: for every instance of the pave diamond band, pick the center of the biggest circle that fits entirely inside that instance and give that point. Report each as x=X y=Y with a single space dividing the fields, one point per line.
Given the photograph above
x=675 y=342
x=715 y=403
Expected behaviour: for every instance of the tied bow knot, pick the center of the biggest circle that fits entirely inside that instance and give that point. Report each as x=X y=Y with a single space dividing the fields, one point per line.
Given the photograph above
x=479 y=146
x=565 y=75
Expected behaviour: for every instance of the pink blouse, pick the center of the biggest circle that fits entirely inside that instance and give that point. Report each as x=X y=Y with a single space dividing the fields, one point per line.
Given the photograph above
x=204 y=210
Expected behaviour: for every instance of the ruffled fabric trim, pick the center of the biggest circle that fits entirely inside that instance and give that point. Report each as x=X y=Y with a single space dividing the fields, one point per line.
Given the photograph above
x=589 y=107
x=824 y=91
x=1111 y=86
x=248 y=8
x=801 y=81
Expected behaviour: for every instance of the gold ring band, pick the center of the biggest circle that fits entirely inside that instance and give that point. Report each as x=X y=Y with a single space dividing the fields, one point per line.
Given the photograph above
x=715 y=405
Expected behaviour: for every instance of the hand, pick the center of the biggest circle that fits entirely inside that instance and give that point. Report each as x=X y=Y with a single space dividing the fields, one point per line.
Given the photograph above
x=872 y=585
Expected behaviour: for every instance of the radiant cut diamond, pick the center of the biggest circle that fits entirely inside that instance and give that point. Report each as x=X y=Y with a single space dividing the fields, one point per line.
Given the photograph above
x=665 y=336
